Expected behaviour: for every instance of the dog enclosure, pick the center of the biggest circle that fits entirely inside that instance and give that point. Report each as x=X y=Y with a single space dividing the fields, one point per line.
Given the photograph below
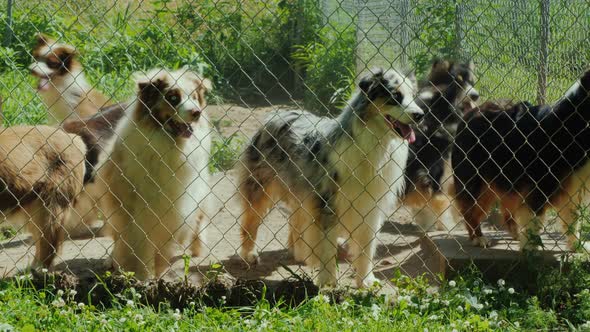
x=269 y=56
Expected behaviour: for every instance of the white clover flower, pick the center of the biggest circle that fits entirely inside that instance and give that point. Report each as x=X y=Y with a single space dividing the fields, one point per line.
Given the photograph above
x=130 y=303
x=493 y=315
x=478 y=306
x=375 y=311
x=263 y=325
x=425 y=330
x=510 y=290
x=104 y=321
x=176 y=315
x=60 y=292
x=81 y=305
x=460 y=309
x=63 y=312
x=58 y=303
x=122 y=320
x=433 y=317
x=476 y=283
x=446 y=303
x=452 y=283
x=516 y=324
x=501 y=282
x=191 y=303
x=44 y=270
x=73 y=292
x=487 y=291
x=454 y=330
x=345 y=305
x=138 y=317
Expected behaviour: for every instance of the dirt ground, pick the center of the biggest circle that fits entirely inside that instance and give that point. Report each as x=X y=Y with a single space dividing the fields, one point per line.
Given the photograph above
x=399 y=242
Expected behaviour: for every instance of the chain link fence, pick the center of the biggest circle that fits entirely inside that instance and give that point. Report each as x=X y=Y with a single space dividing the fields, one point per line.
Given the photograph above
x=167 y=138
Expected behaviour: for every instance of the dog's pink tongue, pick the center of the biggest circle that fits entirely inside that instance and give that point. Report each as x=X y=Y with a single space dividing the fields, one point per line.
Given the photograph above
x=407 y=132
x=43 y=84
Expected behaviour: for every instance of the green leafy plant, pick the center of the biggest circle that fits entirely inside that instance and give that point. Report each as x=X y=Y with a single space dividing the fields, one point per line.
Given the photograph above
x=328 y=66
x=225 y=152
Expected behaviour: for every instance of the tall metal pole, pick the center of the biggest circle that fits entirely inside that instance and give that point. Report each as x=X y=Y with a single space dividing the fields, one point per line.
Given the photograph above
x=8 y=32
x=543 y=52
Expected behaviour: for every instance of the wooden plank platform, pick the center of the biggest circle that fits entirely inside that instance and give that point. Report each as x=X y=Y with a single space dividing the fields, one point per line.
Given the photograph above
x=503 y=259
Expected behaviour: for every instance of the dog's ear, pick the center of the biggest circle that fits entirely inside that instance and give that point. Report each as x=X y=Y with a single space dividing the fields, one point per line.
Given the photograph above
x=369 y=81
x=204 y=86
x=411 y=76
x=66 y=54
x=43 y=39
x=68 y=51
x=150 y=87
x=440 y=65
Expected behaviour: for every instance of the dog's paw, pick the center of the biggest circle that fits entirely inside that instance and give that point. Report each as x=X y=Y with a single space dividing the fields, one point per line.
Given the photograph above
x=250 y=257
x=326 y=279
x=108 y=264
x=481 y=241
x=368 y=282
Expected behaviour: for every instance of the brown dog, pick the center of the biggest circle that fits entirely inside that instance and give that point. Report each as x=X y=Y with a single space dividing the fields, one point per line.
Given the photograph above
x=41 y=173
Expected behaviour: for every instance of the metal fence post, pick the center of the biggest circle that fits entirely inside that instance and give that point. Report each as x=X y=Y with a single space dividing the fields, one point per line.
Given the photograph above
x=405 y=35
x=543 y=52
x=459 y=29
x=8 y=33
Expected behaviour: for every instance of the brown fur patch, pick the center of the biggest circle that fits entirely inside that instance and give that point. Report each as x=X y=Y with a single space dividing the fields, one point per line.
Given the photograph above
x=418 y=198
x=40 y=168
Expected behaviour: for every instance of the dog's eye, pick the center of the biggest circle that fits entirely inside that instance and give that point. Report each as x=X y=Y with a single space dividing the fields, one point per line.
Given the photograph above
x=173 y=98
x=396 y=97
x=52 y=63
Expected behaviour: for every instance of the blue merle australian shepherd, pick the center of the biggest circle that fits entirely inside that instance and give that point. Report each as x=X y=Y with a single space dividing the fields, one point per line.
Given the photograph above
x=340 y=177
x=529 y=159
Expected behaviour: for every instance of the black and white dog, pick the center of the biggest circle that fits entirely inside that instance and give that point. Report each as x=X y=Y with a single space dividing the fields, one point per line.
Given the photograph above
x=339 y=176
x=443 y=97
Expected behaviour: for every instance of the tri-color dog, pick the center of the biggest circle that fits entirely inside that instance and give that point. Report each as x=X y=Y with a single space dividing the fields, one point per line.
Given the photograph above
x=443 y=97
x=62 y=84
x=529 y=159
x=340 y=177
x=156 y=177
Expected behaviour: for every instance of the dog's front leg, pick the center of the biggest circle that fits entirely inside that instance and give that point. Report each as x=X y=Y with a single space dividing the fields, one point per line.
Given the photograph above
x=362 y=248
x=327 y=249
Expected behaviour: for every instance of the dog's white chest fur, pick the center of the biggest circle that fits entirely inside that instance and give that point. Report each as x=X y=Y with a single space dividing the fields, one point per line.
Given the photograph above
x=372 y=172
x=160 y=174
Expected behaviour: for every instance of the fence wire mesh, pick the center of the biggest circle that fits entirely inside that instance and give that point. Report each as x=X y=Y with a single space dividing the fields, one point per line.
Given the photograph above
x=262 y=139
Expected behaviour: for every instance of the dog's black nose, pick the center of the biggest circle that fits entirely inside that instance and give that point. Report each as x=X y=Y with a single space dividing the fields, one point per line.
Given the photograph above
x=417 y=117
x=196 y=112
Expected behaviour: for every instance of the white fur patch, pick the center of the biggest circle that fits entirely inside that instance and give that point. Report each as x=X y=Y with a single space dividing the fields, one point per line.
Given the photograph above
x=426 y=95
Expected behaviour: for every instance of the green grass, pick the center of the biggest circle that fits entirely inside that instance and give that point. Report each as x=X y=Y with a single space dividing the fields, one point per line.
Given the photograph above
x=467 y=303
x=27 y=310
